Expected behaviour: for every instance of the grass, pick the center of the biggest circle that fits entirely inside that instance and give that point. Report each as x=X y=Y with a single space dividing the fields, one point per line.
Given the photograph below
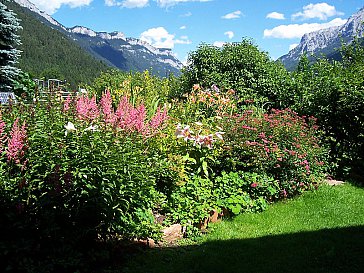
x=318 y=232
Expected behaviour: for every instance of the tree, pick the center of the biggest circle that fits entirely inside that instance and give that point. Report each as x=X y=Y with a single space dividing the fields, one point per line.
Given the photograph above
x=9 y=39
x=240 y=66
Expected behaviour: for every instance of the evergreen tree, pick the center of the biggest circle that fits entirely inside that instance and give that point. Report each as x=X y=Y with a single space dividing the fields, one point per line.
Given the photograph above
x=9 y=39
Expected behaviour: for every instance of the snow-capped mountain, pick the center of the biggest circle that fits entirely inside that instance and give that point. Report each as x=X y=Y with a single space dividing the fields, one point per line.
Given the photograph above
x=114 y=48
x=326 y=41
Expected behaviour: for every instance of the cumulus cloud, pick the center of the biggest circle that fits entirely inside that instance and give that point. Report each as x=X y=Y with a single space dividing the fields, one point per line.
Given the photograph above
x=321 y=11
x=219 y=43
x=230 y=34
x=160 y=38
x=233 y=15
x=292 y=46
x=52 y=6
x=297 y=30
x=170 y=3
x=127 y=3
x=183 y=27
x=275 y=15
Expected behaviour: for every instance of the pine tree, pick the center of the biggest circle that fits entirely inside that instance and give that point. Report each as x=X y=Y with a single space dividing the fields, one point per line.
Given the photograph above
x=9 y=39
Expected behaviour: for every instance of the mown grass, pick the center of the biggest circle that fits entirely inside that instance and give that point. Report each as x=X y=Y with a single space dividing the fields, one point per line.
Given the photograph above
x=321 y=231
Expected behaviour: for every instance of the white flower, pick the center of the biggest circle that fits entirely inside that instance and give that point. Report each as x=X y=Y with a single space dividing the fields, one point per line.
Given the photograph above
x=92 y=128
x=70 y=127
x=219 y=135
x=184 y=133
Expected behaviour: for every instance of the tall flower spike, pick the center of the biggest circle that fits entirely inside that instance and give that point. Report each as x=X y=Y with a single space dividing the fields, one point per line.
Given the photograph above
x=66 y=104
x=106 y=107
x=2 y=134
x=159 y=118
x=17 y=142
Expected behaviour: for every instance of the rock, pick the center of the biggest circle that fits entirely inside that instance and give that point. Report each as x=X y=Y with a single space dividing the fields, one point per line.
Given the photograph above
x=214 y=216
x=333 y=182
x=172 y=233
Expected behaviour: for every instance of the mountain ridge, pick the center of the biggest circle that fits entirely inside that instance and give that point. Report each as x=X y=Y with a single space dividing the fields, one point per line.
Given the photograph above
x=114 y=48
x=325 y=41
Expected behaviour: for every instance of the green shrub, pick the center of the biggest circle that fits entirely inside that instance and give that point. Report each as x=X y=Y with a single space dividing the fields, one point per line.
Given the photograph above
x=238 y=66
x=72 y=175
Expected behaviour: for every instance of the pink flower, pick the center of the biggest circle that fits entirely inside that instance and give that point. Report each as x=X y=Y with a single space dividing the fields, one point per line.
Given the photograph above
x=254 y=185
x=249 y=128
x=106 y=107
x=2 y=134
x=141 y=114
x=17 y=142
x=66 y=104
x=122 y=112
x=184 y=133
x=207 y=141
x=159 y=118
x=87 y=108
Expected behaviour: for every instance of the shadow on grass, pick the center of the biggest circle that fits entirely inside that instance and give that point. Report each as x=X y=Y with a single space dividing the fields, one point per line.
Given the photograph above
x=329 y=250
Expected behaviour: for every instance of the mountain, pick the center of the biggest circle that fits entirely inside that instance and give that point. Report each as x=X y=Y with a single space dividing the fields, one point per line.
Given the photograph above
x=48 y=53
x=109 y=49
x=326 y=41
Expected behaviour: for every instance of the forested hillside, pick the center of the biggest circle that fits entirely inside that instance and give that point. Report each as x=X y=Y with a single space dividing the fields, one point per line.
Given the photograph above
x=48 y=53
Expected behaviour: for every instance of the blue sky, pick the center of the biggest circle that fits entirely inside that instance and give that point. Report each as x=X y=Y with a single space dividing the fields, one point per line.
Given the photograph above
x=274 y=25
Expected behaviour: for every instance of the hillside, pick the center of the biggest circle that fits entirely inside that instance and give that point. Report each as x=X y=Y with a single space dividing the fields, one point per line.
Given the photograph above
x=48 y=53
x=113 y=49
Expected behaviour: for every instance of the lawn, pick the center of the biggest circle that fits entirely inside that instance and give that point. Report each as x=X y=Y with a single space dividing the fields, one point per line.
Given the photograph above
x=321 y=231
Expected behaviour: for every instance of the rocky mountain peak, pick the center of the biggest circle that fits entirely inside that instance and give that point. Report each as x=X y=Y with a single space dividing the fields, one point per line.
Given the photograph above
x=326 y=41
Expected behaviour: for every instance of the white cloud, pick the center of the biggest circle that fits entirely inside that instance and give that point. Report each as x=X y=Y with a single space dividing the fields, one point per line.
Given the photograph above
x=160 y=38
x=292 y=46
x=297 y=30
x=230 y=34
x=188 y=14
x=127 y=3
x=320 y=10
x=275 y=15
x=233 y=15
x=219 y=43
x=183 y=27
x=52 y=6
x=170 y=3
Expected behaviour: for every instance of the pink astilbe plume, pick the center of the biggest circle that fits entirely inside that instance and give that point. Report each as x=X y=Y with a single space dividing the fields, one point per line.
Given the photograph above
x=17 y=142
x=2 y=134
x=122 y=114
x=139 y=122
x=159 y=118
x=87 y=108
x=106 y=107
x=66 y=104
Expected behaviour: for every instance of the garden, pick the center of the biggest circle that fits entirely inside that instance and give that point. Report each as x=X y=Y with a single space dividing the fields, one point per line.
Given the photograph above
x=90 y=175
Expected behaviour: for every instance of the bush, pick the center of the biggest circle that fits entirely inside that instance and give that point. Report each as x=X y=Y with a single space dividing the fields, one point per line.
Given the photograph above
x=333 y=92
x=75 y=173
x=280 y=144
x=238 y=66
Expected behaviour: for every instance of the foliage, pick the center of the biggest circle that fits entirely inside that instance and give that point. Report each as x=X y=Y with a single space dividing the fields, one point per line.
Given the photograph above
x=317 y=224
x=24 y=86
x=76 y=172
x=333 y=92
x=138 y=86
x=234 y=161
x=238 y=66
x=9 y=54
x=280 y=144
